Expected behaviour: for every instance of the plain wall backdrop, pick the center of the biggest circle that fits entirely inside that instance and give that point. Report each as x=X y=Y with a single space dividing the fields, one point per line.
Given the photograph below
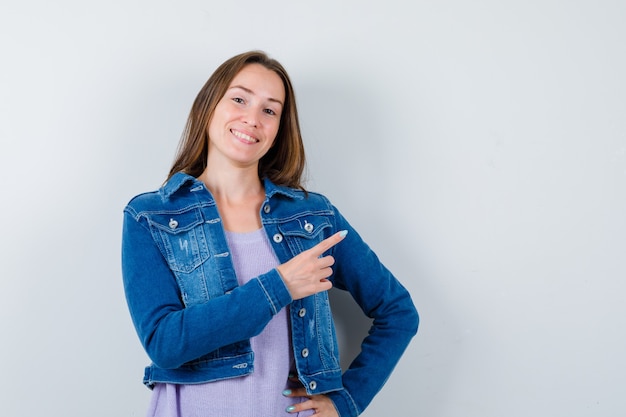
x=479 y=147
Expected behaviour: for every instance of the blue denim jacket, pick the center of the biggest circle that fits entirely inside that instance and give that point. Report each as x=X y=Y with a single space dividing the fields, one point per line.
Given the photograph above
x=195 y=321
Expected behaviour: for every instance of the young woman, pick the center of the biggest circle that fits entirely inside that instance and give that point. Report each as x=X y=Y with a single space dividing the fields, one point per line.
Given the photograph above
x=227 y=266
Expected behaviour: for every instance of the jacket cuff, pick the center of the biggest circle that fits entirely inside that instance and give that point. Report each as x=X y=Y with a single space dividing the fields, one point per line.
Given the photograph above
x=343 y=403
x=275 y=290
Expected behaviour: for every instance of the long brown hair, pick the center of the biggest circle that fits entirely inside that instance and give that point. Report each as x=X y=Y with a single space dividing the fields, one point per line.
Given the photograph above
x=284 y=162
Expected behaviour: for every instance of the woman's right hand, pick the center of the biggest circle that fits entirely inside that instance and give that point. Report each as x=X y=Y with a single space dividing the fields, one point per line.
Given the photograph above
x=306 y=274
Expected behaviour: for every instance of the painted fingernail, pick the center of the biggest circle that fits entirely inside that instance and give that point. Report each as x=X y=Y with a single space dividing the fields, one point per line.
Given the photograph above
x=343 y=233
x=290 y=409
x=287 y=392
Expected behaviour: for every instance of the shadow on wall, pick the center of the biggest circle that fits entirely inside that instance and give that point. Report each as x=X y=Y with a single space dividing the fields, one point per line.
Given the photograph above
x=351 y=325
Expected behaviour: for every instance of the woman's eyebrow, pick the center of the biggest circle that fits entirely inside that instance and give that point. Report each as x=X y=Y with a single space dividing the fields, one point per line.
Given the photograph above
x=247 y=90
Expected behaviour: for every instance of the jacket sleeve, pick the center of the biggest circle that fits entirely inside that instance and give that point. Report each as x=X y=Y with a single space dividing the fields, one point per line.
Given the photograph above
x=173 y=334
x=395 y=320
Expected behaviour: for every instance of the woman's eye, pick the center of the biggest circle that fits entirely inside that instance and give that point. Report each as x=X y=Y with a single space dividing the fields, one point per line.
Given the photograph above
x=238 y=100
x=270 y=112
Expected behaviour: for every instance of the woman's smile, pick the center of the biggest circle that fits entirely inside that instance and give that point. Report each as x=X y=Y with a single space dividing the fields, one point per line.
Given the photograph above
x=245 y=138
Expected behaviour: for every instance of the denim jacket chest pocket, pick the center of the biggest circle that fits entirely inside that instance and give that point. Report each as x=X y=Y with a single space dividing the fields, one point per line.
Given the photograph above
x=182 y=240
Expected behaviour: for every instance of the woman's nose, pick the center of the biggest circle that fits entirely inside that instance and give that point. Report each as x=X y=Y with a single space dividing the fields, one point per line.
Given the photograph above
x=251 y=117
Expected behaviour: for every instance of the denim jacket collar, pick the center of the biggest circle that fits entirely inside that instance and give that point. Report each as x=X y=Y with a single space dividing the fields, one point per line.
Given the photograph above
x=180 y=179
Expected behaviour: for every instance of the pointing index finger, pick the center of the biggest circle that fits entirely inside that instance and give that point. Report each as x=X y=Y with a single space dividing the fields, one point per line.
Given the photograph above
x=329 y=242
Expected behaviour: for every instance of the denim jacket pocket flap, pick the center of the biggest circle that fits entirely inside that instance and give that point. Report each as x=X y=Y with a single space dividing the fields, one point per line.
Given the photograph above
x=176 y=223
x=309 y=227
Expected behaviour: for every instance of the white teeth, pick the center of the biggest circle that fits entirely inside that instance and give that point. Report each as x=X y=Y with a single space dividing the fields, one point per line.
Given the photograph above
x=244 y=136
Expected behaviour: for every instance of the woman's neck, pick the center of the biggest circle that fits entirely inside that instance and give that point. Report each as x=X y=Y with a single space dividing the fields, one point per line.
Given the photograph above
x=232 y=184
x=238 y=195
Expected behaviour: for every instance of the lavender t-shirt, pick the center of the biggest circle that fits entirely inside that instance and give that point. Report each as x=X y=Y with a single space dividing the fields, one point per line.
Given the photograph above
x=260 y=393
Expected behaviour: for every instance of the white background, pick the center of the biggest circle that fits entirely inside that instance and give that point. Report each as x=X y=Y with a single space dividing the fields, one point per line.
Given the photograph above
x=479 y=147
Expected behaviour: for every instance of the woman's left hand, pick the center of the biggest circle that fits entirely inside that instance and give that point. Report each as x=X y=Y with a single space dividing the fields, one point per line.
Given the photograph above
x=320 y=404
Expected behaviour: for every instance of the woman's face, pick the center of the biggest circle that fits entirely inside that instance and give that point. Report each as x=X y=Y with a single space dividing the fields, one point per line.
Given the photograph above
x=247 y=118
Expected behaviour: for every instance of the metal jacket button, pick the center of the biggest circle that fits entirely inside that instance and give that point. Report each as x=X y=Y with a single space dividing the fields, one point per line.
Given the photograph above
x=308 y=227
x=266 y=209
x=173 y=224
x=305 y=352
x=312 y=385
x=302 y=312
x=278 y=238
